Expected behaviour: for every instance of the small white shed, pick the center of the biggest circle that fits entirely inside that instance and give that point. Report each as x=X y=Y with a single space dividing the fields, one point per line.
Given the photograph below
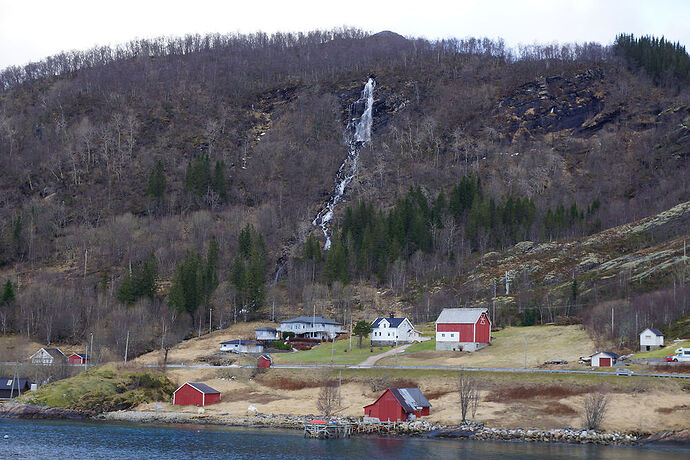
x=604 y=359
x=651 y=339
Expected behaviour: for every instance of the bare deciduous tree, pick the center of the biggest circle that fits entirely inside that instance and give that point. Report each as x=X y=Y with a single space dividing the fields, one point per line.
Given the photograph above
x=595 y=410
x=468 y=391
x=328 y=402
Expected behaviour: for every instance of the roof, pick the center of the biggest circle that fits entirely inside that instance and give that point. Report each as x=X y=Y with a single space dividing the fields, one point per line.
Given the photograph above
x=653 y=331
x=7 y=383
x=394 y=322
x=310 y=320
x=607 y=353
x=460 y=315
x=202 y=387
x=411 y=399
x=269 y=329
x=240 y=342
x=81 y=355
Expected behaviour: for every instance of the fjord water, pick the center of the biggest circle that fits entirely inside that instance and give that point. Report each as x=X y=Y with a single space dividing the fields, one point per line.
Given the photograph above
x=43 y=439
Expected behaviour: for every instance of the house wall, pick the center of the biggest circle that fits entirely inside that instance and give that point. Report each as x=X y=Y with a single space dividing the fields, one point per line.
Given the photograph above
x=651 y=340
x=187 y=396
x=42 y=357
x=386 y=336
x=386 y=408
x=461 y=332
x=76 y=360
x=483 y=329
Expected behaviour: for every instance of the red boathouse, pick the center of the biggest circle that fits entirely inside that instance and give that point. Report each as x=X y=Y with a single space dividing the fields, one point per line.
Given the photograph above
x=264 y=361
x=398 y=404
x=195 y=393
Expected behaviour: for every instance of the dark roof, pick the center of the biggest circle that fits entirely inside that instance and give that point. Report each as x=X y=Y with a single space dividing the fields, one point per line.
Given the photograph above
x=202 y=387
x=269 y=329
x=655 y=332
x=240 y=342
x=8 y=383
x=411 y=399
x=55 y=353
x=609 y=353
x=394 y=322
x=310 y=320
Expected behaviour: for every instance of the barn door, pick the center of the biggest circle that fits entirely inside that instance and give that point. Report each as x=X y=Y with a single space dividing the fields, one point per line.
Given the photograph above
x=605 y=362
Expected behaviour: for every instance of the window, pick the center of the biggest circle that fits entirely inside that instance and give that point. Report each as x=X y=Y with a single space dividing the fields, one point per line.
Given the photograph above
x=443 y=335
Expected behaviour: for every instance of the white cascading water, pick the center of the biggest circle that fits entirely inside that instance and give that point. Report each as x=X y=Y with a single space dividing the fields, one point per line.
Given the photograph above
x=357 y=134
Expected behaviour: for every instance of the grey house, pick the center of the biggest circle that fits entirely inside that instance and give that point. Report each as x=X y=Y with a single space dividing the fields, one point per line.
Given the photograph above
x=312 y=327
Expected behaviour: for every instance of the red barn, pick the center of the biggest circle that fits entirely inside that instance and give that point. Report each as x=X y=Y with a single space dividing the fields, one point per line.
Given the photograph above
x=77 y=358
x=195 y=393
x=264 y=361
x=398 y=404
x=463 y=329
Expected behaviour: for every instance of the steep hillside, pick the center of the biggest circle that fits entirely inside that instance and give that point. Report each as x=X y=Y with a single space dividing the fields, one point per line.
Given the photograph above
x=167 y=184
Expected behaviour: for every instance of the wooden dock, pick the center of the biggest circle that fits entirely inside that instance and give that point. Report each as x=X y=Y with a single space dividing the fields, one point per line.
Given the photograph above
x=323 y=430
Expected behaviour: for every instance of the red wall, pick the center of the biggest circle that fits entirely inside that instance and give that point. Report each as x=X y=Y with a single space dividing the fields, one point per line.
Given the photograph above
x=483 y=331
x=74 y=359
x=188 y=395
x=263 y=362
x=465 y=330
x=386 y=408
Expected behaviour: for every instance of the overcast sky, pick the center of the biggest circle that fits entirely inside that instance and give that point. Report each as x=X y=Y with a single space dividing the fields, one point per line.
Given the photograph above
x=32 y=30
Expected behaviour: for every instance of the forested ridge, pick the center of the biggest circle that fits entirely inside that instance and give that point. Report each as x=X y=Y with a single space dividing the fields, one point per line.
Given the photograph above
x=146 y=184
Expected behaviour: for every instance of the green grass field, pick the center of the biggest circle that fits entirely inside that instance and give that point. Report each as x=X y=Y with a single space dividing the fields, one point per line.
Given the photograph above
x=661 y=352
x=321 y=354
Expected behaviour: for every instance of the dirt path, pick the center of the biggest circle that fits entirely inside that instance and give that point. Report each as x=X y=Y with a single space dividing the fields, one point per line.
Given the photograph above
x=373 y=359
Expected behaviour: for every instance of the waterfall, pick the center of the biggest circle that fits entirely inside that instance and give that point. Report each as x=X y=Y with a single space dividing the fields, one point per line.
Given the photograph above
x=357 y=134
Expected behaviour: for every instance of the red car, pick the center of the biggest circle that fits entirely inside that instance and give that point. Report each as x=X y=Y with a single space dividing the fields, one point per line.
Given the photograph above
x=670 y=358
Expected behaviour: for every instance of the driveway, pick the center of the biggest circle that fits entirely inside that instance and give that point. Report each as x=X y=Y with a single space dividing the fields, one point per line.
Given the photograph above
x=370 y=361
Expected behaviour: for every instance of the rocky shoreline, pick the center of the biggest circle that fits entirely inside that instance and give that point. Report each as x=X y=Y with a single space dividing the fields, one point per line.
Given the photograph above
x=418 y=428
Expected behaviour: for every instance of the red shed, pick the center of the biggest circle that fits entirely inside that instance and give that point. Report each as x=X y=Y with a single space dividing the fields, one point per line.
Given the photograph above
x=463 y=329
x=77 y=358
x=398 y=404
x=195 y=393
x=264 y=361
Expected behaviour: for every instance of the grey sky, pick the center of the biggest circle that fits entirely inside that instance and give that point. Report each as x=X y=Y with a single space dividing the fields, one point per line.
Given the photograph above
x=32 y=30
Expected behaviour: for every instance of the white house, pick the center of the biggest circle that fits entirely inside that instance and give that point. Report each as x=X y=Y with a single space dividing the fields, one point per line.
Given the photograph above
x=392 y=331
x=651 y=339
x=313 y=327
x=241 y=346
x=266 y=334
x=463 y=329
x=604 y=359
x=48 y=356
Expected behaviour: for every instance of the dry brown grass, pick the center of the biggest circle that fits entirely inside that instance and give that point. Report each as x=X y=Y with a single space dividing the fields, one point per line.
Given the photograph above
x=524 y=392
x=558 y=408
x=675 y=369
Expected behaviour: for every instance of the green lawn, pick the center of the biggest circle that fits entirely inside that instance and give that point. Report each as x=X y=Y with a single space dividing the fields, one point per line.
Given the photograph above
x=661 y=352
x=321 y=354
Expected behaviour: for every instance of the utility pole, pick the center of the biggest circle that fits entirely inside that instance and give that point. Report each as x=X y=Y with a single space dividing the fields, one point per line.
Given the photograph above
x=340 y=384
x=350 y=349
x=612 y=333
x=525 y=339
x=273 y=312
x=86 y=258
x=332 y=348
x=507 y=282
x=210 y=316
x=90 y=356
x=126 y=346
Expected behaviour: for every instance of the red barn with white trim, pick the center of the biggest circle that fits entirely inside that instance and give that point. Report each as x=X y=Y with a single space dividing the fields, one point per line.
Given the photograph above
x=398 y=404
x=463 y=329
x=195 y=393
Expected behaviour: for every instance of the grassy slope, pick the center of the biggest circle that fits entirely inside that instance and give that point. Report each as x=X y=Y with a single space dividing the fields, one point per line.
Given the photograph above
x=104 y=388
x=508 y=349
x=661 y=352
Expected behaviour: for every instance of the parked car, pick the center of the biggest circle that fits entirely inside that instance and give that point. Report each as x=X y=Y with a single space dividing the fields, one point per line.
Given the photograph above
x=670 y=358
x=624 y=371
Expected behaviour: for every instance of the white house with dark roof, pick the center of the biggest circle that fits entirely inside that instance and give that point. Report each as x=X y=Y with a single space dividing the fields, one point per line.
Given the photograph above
x=392 y=331
x=241 y=346
x=266 y=334
x=604 y=359
x=48 y=356
x=651 y=339
x=312 y=327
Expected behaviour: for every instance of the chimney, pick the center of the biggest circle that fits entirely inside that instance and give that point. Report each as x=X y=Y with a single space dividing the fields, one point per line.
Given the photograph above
x=392 y=315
